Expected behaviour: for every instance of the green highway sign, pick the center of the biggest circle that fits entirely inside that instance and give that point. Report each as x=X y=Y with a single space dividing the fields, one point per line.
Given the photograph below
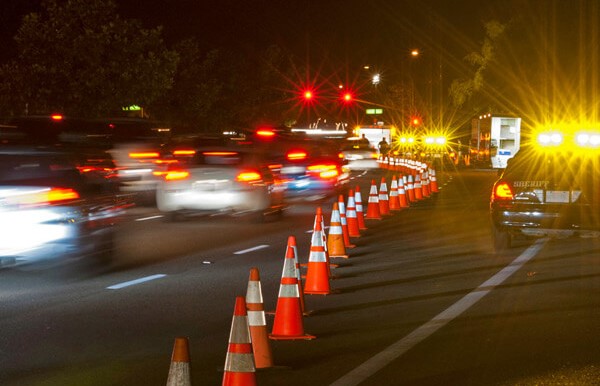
x=374 y=111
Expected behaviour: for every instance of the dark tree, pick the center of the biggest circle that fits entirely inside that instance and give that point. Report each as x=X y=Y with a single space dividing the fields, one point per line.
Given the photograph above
x=80 y=57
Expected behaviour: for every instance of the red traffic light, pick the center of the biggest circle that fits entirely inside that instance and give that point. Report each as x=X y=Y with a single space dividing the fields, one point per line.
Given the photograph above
x=415 y=121
x=308 y=95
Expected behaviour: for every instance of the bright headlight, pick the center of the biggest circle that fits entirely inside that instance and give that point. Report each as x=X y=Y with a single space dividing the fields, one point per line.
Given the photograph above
x=550 y=139
x=588 y=139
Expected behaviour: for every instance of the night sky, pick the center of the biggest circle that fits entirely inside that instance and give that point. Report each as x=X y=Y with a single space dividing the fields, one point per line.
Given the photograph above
x=328 y=35
x=347 y=31
x=350 y=31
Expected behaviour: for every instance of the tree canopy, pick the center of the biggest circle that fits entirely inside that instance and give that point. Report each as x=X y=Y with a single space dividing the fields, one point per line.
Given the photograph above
x=80 y=57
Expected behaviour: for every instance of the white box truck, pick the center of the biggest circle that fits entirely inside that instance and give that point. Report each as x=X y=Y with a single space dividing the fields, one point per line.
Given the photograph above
x=494 y=140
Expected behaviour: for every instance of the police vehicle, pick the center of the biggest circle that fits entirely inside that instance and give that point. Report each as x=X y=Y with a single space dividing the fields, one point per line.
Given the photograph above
x=549 y=189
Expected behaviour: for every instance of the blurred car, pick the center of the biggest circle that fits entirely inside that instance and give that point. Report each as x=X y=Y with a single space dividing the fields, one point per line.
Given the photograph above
x=312 y=169
x=57 y=205
x=136 y=145
x=220 y=180
x=359 y=155
x=546 y=192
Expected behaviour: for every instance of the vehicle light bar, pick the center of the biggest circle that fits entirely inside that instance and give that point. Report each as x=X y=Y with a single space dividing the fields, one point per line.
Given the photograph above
x=586 y=139
x=550 y=139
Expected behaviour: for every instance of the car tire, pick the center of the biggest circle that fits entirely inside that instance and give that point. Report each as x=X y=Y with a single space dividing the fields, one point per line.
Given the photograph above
x=502 y=239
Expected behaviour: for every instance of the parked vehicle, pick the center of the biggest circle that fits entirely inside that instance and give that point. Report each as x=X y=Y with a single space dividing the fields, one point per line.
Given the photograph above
x=550 y=191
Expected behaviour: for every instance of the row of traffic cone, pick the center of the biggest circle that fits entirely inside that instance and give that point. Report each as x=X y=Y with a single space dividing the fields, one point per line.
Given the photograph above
x=249 y=348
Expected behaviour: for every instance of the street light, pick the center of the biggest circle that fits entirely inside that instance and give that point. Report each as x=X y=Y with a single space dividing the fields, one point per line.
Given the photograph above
x=376 y=79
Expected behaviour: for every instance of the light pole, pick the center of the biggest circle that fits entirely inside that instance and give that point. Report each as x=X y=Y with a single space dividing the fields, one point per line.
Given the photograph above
x=416 y=53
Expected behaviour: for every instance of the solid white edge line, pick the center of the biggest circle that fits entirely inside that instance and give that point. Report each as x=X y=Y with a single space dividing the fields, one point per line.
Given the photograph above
x=136 y=281
x=251 y=249
x=394 y=351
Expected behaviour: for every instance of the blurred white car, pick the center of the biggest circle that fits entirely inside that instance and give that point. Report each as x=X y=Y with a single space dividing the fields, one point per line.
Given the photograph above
x=359 y=155
x=57 y=205
x=220 y=181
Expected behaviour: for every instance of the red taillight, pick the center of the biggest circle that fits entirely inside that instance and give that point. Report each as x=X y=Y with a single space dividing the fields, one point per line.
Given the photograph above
x=56 y=117
x=44 y=197
x=296 y=155
x=145 y=154
x=176 y=175
x=219 y=153
x=184 y=152
x=502 y=191
x=248 y=176
x=169 y=161
x=325 y=171
x=265 y=133
x=88 y=169
x=61 y=194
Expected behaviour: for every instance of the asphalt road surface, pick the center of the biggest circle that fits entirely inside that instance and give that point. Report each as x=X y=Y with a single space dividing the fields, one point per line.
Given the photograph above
x=422 y=300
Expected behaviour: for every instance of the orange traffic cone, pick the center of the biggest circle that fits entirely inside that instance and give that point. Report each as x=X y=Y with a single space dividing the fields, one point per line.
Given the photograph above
x=317 y=274
x=293 y=249
x=418 y=188
x=410 y=189
x=351 y=216
x=239 y=363
x=425 y=183
x=335 y=240
x=384 y=200
x=373 y=205
x=263 y=357
x=345 y=232
x=319 y=217
x=288 y=323
x=402 y=193
x=179 y=371
x=360 y=215
x=434 y=184
x=394 y=200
